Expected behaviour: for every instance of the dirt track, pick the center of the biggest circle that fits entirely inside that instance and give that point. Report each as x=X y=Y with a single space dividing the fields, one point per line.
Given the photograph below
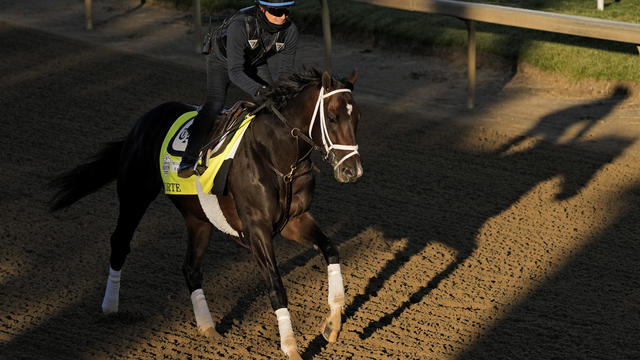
x=454 y=245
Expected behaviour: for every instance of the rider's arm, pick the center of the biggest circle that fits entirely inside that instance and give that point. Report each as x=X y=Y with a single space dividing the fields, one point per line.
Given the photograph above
x=236 y=42
x=285 y=59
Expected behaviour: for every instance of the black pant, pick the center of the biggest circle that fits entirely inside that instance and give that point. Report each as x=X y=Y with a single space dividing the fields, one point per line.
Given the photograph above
x=217 y=86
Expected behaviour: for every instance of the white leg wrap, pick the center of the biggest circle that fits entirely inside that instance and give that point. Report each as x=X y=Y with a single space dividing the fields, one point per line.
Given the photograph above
x=112 y=293
x=336 y=288
x=201 y=310
x=287 y=340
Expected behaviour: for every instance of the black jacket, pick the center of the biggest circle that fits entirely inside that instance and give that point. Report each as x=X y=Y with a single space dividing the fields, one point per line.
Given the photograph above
x=242 y=43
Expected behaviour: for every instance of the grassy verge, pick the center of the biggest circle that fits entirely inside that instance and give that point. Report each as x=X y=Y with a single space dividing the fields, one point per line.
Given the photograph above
x=573 y=57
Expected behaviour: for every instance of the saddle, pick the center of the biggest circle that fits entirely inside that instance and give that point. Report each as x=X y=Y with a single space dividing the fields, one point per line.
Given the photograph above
x=226 y=124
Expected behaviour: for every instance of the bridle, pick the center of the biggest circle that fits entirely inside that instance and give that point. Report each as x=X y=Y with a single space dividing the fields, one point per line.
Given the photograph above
x=324 y=132
x=327 y=149
x=327 y=145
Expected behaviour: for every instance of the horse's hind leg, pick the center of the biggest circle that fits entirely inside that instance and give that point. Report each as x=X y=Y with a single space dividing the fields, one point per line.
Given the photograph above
x=134 y=198
x=304 y=229
x=199 y=232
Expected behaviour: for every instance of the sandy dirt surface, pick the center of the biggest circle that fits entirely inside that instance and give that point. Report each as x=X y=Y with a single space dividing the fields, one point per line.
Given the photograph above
x=506 y=232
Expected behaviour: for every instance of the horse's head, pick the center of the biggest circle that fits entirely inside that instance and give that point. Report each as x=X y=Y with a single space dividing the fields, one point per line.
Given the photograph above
x=336 y=125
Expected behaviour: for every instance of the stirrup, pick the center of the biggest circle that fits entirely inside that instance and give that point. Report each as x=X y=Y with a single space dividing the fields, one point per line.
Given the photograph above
x=186 y=170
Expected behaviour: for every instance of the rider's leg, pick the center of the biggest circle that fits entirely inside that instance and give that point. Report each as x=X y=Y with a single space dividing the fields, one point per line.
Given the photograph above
x=217 y=85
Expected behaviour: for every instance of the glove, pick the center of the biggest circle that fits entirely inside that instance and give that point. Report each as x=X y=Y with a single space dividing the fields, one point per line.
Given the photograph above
x=259 y=95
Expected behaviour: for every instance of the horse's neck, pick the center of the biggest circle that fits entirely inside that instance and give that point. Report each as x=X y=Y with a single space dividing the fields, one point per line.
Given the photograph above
x=299 y=110
x=275 y=135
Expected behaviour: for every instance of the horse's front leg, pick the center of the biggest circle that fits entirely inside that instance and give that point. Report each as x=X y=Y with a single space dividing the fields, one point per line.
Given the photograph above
x=199 y=232
x=304 y=229
x=262 y=248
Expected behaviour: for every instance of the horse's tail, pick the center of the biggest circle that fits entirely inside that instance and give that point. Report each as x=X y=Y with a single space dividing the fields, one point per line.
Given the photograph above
x=87 y=178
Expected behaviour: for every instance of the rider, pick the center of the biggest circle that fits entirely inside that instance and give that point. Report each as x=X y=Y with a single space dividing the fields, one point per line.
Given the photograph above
x=242 y=49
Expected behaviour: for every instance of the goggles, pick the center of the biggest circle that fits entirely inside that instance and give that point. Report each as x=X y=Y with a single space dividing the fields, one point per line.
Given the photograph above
x=277 y=11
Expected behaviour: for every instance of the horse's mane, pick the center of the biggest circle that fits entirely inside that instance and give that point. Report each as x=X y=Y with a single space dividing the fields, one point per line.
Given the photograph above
x=288 y=88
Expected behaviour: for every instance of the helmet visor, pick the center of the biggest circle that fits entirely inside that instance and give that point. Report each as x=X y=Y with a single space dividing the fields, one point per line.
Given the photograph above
x=277 y=11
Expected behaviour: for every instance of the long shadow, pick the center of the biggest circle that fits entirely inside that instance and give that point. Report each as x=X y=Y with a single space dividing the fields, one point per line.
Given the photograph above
x=442 y=202
x=238 y=311
x=502 y=197
x=587 y=310
x=75 y=107
x=57 y=115
x=92 y=108
x=551 y=127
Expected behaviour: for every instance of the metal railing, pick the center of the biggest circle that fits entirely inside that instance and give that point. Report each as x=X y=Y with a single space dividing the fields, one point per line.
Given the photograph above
x=515 y=17
x=88 y=12
x=471 y=12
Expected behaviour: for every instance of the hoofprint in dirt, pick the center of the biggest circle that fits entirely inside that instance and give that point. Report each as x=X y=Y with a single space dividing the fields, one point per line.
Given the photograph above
x=505 y=232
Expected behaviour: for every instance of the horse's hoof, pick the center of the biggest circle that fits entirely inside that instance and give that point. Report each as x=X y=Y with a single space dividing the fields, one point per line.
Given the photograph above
x=211 y=333
x=109 y=311
x=293 y=355
x=109 y=308
x=331 y=326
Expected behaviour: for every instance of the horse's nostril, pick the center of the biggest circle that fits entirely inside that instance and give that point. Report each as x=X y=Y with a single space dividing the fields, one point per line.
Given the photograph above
x=348 y=172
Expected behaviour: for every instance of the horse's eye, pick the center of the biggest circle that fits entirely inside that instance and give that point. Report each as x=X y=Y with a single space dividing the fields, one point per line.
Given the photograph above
x=332 y=119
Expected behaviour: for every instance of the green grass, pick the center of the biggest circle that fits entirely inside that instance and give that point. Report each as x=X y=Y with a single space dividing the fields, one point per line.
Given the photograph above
x=574 y=57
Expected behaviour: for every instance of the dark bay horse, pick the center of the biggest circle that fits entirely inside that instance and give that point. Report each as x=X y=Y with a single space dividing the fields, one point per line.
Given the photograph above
x=269 y=189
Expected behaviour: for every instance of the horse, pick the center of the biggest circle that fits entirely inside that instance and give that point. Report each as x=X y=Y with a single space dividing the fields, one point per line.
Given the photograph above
x=268 y=190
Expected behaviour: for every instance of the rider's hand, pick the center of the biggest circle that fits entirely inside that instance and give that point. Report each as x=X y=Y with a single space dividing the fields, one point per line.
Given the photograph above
x=259 y=95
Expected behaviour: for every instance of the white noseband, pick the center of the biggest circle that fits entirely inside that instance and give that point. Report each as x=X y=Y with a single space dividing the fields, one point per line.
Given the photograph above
x=326 y=140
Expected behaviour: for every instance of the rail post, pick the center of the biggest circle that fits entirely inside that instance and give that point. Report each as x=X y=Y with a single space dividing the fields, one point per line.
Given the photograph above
x=87 y=15
x=326 y=32
x=471 y=63
x=600 y=5
x=197 y=25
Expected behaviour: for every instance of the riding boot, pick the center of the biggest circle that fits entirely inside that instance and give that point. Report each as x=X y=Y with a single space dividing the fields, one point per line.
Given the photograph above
x=187 y=167
x=198 y=132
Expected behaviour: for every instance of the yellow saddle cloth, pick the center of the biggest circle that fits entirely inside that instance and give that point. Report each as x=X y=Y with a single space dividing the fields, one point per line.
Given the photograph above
x=215 y=177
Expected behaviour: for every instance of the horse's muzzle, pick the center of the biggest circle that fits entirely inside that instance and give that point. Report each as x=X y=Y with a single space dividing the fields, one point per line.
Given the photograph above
x=349 y=171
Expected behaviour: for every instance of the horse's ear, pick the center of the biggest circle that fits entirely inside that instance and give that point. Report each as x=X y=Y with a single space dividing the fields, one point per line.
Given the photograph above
x=326 y=80
x=352 y=79
x=354 y=76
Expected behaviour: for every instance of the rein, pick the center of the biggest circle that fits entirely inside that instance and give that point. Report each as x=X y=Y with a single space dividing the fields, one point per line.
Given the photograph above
x=296 y=133
x=291 y=175
x=235 y=125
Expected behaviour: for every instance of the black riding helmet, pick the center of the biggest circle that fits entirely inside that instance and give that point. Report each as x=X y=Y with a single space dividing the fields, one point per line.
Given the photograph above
x=276 y=7
x=276 y=3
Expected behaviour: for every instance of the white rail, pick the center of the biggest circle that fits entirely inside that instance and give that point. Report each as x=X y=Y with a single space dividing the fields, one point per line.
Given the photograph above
x=522 y=18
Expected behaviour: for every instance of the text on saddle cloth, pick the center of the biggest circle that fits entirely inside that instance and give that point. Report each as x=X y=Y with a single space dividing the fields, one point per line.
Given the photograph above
x=173 y=147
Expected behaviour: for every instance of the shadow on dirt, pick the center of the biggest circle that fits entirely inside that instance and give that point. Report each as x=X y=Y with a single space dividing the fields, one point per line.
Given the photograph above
x=588 y=309
x=421 y=196
x=455 y=185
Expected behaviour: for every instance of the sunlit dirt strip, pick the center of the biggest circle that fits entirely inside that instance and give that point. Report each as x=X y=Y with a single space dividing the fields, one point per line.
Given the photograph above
x=444 y=242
